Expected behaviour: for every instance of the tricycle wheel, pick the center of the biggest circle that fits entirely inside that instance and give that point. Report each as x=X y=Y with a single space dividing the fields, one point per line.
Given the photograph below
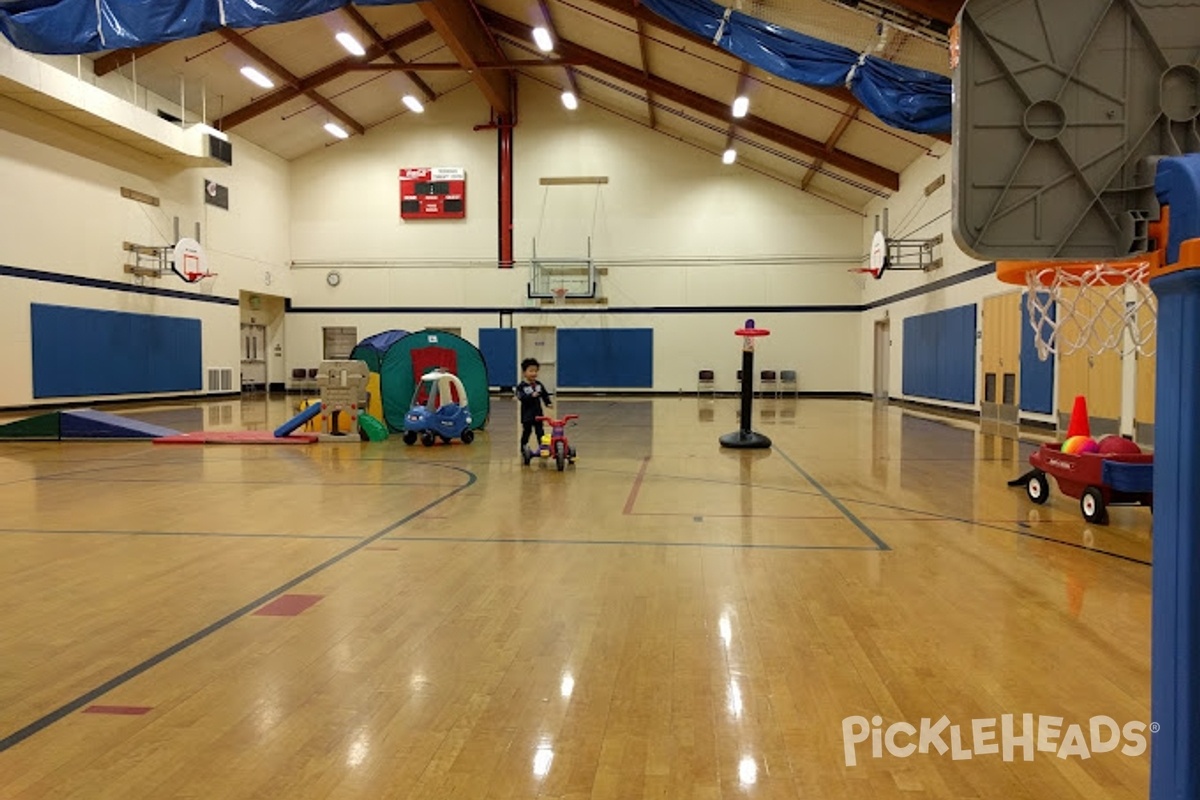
x=527 y=456
x=560 y=456
x=1092 y=506
x=468 y=436
x=1038 y=487
x=427 y=438
x=410 y=437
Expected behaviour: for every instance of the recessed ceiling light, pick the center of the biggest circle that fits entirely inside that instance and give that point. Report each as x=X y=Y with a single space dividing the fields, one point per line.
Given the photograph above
x=570 y=100
x=351 y=44
x=741 y=106
x=729 y=156
x=414 y=105
x=541 y=37
x=336 y=130
x=257 y=77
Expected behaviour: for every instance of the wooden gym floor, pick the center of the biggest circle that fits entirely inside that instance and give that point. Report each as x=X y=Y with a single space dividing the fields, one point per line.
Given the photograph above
x=665 y=620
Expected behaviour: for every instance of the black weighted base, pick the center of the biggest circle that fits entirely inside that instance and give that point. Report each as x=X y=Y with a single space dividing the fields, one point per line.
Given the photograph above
x=746 y=440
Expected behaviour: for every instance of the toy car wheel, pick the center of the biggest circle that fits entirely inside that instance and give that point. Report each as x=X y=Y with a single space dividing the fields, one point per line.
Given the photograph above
x=468 y=436
x=1038 y=488
x=560 y=456
x=1092 y=506
x=410 y=437
x=427 y=439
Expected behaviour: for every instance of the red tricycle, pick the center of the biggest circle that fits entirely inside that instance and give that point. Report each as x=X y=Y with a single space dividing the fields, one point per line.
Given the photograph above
x=554 y=443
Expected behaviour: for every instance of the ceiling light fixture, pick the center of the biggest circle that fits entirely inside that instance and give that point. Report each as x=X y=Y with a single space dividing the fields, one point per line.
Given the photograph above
x=729 y=156
x=351 y=44
x=336 y=130
x=414 y=105
x=541 y=37
x=741 y=106
x=570 y=100
x=254 y=76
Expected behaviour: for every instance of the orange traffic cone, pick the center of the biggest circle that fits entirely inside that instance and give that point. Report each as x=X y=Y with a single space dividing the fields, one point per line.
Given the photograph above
x=1078 y=426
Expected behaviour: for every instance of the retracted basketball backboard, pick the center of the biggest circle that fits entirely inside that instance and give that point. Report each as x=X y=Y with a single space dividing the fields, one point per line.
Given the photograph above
x=1061 y=108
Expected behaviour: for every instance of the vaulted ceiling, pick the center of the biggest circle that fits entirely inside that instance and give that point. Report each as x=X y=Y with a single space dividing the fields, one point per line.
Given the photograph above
x=614 y=55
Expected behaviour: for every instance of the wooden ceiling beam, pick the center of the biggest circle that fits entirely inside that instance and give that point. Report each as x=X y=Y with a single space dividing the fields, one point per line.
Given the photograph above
x=716 y=109
x=366 y=27
x=641 y=34
x=281 y=72
x=322 y=76
x=459 y=26
x=110 y=62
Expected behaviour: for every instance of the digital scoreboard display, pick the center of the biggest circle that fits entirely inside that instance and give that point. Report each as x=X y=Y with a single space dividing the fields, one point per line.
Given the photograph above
x=433 y=193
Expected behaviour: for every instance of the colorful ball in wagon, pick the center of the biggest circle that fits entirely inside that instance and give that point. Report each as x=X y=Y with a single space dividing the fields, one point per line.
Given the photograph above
x=1077 y=445
x=1118 y=446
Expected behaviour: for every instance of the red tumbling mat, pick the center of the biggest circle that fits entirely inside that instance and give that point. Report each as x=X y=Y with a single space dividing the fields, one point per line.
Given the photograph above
x=238 y=437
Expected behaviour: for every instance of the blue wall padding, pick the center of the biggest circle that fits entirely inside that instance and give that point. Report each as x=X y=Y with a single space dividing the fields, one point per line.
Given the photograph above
x=84 y=352
x=617 y=358
x=1037 y=376
x=939 y=355
x=499 y=348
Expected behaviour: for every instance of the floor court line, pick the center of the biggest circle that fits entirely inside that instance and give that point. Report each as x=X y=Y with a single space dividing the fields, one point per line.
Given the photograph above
x=631 y=543
x=200 y=534
x=85 y=699
x=858 y=523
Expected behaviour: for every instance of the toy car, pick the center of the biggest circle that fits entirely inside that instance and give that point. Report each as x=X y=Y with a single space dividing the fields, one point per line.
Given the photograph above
x=444 y=413
x=1096 y=479
x=554 y=444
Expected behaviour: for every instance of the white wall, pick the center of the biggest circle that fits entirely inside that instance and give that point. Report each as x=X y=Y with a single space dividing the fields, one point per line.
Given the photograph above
x=61 y=212
x=673 y=227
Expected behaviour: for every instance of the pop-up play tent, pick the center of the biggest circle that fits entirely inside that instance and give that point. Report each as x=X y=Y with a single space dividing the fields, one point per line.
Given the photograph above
x=417 y=353
x=372 y=348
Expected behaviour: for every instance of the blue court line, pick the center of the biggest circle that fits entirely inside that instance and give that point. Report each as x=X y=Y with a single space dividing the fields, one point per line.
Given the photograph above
x=57 y=714
x=858 y=523
x=632 y=543
x=209 y=482
x=201 y=534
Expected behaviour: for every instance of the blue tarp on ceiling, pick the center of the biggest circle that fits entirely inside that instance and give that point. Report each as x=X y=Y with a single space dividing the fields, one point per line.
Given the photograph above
x=903 y=97
x=70 y=27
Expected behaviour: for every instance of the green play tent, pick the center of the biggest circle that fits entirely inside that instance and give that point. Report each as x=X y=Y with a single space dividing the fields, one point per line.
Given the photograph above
x=407 y=359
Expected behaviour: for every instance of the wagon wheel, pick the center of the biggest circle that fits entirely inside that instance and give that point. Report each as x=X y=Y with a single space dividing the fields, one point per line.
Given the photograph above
x=1092 y=506
x=1038 y=487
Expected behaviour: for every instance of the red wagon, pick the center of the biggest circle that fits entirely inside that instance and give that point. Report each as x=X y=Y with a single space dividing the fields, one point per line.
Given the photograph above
x=1097 y=480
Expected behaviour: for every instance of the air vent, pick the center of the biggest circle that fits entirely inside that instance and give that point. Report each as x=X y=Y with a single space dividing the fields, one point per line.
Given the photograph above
x=220 y=149
x=220 y=380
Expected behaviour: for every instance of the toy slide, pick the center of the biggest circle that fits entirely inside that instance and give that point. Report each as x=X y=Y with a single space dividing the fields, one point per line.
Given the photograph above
x=298 y=420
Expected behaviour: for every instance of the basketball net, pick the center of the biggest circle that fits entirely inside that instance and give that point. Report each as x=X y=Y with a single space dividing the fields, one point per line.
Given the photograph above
x=560 y=295
x=1091 y=309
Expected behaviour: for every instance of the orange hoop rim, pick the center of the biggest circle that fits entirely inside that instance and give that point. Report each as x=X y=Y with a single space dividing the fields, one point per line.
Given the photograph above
x=1016 y=272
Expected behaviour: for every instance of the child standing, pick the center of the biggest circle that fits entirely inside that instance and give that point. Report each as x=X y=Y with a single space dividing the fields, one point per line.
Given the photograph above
x=532 y=393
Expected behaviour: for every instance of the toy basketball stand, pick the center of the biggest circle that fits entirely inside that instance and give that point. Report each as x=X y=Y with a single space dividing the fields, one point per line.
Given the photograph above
x=1074 y=133
x=746 y=438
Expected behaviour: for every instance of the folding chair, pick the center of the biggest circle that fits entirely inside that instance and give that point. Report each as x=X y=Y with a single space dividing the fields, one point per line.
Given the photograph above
x=706 y=381
x=789 y=382
x=769 y=381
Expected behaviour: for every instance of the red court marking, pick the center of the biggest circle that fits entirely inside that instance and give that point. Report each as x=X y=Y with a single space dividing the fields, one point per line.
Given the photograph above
x=289 y=605
x=637 y=485
x=129 y=711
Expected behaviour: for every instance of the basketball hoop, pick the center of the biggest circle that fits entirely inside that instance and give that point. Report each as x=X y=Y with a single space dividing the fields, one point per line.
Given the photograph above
x=1087 y=306
x=560 y=295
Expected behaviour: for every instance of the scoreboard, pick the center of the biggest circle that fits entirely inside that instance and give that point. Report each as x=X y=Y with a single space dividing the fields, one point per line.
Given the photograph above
x=433 y=193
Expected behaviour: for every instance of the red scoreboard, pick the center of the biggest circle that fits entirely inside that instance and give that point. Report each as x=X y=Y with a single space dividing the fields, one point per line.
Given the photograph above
x=433 y=193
